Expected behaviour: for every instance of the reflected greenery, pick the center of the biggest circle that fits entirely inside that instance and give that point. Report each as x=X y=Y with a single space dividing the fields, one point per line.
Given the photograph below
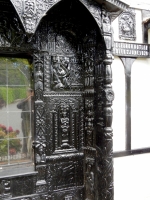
x=15 y=77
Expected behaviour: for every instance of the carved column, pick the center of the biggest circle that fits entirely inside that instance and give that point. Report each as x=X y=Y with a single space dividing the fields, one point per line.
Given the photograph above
x=104 y=135
x=39 y=144
x=89 y=150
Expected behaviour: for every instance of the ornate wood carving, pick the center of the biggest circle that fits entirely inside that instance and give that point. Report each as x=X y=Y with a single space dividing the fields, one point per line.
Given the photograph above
x=127 y=25
x=73 y=98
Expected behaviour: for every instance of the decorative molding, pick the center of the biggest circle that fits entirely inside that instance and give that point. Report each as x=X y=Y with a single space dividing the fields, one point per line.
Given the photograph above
x=127 y=25
x=131 y=49
x=118 y=3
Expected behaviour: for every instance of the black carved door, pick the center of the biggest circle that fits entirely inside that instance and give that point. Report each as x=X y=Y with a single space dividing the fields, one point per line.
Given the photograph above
x=68 y=41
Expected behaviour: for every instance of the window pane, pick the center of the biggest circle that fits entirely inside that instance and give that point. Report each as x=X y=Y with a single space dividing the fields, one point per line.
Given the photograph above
x=118 y=124
x=16 y=111
x=140 y=103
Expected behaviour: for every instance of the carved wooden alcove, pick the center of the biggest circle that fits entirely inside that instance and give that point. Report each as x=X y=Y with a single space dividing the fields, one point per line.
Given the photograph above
x=72 y=53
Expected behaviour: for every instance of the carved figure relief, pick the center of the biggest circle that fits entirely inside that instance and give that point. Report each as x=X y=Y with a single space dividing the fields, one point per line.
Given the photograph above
x=89 y=118
x=89 y=180
x=127 y=30
x=64 y=118
x=64 y=124
x=65 y=68
x=60 y=72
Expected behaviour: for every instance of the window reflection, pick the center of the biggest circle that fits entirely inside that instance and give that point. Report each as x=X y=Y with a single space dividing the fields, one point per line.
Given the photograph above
x=26 y=105
x=16 y=110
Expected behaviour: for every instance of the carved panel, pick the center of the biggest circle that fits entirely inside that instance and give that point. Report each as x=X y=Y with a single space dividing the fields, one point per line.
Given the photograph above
x=64 y=116
x=64 y=174
x=23 y=186
x=127 y=23
x=75 y=194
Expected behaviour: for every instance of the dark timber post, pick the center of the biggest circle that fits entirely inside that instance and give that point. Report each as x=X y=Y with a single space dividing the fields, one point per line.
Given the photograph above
x=127 y=62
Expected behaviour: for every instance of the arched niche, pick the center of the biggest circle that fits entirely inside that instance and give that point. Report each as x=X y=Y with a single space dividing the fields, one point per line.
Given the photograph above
x=68 y=62
x=31 y=12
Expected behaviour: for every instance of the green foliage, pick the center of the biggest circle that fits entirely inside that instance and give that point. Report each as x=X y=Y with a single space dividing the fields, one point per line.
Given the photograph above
x=15 y=77
x=14 y=93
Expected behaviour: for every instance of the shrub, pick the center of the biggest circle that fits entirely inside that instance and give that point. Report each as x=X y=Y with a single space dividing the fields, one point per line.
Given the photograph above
x=8 y=139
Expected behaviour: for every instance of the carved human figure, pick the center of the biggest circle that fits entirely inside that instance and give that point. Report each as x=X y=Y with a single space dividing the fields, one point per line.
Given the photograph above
x=60 y=72
x=106 y=22
x=89 y=182
x=39 y=78
x=127 y=25
x=89 y=128
x=64 y=127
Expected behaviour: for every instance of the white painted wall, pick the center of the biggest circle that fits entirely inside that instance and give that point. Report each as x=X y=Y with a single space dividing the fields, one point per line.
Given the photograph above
x=118 y=124
x=131 y=177
x=140 y=103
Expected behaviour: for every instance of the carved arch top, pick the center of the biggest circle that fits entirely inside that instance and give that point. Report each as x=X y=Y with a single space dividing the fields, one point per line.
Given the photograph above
x=32 y=11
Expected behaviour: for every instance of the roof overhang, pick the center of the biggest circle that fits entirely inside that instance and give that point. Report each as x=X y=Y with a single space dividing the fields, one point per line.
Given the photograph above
x=115 y=7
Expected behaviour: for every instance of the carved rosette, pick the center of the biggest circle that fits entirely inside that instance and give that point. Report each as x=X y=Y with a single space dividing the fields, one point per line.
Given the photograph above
x=127 y=25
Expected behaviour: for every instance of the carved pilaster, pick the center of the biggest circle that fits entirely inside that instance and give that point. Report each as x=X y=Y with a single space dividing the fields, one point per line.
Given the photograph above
x=104 y=133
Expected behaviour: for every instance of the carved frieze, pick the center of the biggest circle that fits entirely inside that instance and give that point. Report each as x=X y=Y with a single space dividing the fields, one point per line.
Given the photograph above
x=127 y=25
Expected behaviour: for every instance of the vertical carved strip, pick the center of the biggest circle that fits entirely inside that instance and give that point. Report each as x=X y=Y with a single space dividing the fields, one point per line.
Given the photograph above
x=56 y=130
x=81 y=136
x=39 y=143
x=73 y=124
x=104 y=134
x=104 y=98
x=46 y=72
